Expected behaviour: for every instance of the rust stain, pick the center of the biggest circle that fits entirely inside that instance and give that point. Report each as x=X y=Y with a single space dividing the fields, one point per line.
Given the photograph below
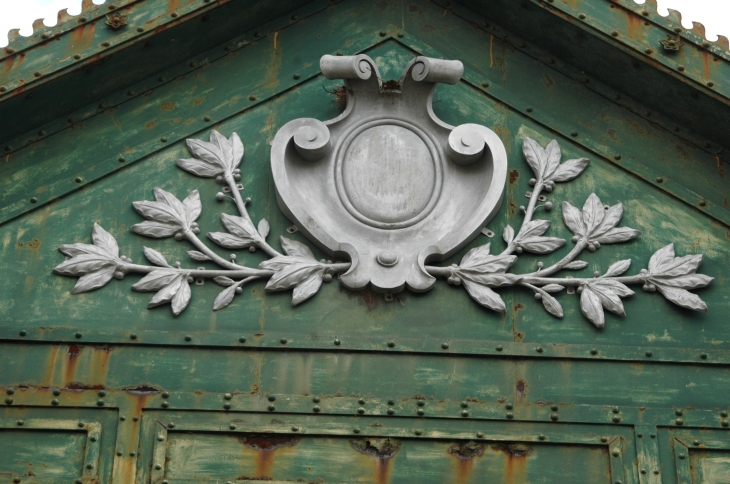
x=548 y=81
x=635 y=27
x=167 y=106
x=189 y=121
x=82 y=37
x=514 y=175
x=272 y=74
x=366 y=296
x=196 y=102
x=142 y=389
x=174 y=5
x=465 y=453
x=383 y=450
x=427 y=28
x=265 y=445
x=512 y=208
x=77 y=386
x=51 y=365
x=612 y=134
x=150 y=124
x=521 y=388
x=705 y=63
x=516 y=465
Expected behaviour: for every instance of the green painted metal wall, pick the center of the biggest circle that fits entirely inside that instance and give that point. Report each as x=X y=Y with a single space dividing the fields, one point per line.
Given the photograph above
x=100 y=389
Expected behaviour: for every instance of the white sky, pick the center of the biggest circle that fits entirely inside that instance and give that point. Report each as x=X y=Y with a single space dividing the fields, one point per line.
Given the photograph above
x=714 y=14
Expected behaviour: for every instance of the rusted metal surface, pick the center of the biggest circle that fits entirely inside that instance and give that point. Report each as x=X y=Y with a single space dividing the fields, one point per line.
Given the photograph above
x=357 y=387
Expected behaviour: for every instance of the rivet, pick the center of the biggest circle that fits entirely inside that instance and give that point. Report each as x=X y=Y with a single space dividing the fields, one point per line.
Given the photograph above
x=54 y=401
x=678 y=413
x=509 y=406
x=554 y=408
x=81 y=424
x=241 y=339
x=173 y=14
x=105 y=44
x=616 y=157
x=696 y=443
x=79 y=335
x=119 y=453
x=171 y=425
x=140 y=29
x=594 y=351
x=33 y=200
x=9 y=401
x=680 y=68
x=296 y=76
x=418 y=431
x=604 y=439
x=226 y=406
x=681 y=456
x=165 y=404
x=252 y=98
x=232 y=426
x=23 y=332
x=679 y=421
x=648 y=354
x=100 y=403
x=315 y=399
x=640 y=435
x=271 y=398
x=283 y=341
x=163 y=139
x=480 y=435
x=161 y=79
x=725 y=423
x=703 y=356
x=499 y=348
x=57 y=392
x=158 y=467
x=705 y=45
x=615 y=410
x=645 y=13
x=338 y=342
x=529 y=110
x=361 y=410
x=188 y=338
x=539 y=349
x=227 y=396
x=206 y=119
x=614 y=33
x=648 y=51
x=554 y=417
x=391 y=344
x=702 y=203
x=464 y=405
x=89 y=466
x=723 y=413
x=582 y=16
x=510 y=415
x=3 y=88
x=295 y=429
x=37 y=74
x=136 y=419
x=382 y=33
x=659 y=179
x=400 y=35
x=391 y=411
x=574 y=134
x=656 y=471
x=132 y=454
x=464 y=413
x=16 y=480
x=102 y=393
x=356 y=430
x=541 y=437
x=271 y=408
x=420 y=412
x=133 y=336
x=9 y=391
x=616 y=419
x=615 y=453
x=485 y=85
x=653 y=436
x=20 y=423
x=78 y=179
x=93 y=438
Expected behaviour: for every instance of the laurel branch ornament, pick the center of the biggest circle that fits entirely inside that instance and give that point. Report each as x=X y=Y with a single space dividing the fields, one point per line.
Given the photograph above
x=479 y=271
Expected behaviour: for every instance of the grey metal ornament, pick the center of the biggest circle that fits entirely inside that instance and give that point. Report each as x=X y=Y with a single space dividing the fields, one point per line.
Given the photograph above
x=387 y=184
x=385 y=241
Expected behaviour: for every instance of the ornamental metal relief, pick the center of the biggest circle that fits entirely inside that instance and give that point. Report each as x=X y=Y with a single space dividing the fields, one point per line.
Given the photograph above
x=387 y=190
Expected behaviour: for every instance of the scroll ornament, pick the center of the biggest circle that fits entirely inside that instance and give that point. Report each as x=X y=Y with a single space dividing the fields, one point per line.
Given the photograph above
x=463 y=152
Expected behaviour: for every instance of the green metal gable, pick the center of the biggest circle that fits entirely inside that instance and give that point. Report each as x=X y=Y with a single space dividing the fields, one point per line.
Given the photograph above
x=358 y=386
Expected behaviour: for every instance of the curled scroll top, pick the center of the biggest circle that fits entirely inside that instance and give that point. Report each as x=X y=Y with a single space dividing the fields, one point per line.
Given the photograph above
x=361 y=67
